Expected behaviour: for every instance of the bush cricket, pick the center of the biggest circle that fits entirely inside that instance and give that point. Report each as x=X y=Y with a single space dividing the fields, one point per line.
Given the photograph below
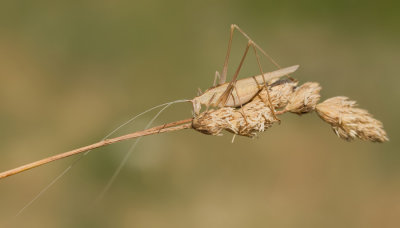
x=238 y=92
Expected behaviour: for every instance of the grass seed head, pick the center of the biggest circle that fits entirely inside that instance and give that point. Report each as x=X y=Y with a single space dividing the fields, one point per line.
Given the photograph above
x=349 y=122
x=247 y=121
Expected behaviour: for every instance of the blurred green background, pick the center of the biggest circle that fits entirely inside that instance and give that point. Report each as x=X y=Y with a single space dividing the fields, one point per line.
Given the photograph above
x=72 y=71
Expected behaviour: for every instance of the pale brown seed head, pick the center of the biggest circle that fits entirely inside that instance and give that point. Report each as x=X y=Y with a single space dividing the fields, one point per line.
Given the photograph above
x=253 y=117
x=349 y=122
x=304 y=98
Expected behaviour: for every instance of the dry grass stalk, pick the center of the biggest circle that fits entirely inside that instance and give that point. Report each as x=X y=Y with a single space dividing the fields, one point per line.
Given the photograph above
x=174 y=126
x=349 y=122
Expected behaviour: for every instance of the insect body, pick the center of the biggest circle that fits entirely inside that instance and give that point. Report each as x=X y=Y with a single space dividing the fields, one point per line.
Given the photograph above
x=246 y=89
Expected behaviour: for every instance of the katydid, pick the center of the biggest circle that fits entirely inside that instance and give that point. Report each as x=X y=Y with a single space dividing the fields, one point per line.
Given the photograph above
x=238 y=92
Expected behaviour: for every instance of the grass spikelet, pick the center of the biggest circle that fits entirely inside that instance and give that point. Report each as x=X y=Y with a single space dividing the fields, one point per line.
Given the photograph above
x=349 y=122
x=280 y=92
x=304 y=98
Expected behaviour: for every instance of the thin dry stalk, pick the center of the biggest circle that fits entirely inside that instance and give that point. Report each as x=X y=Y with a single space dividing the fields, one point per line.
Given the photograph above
x=174 y=126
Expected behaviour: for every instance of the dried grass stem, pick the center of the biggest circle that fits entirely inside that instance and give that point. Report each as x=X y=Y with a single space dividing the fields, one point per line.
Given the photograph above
x=174 y=126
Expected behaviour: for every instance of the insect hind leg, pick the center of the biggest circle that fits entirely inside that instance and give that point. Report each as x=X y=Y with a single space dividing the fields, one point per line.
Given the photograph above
x=256 y=46
x=265 y=84
x=223 y=99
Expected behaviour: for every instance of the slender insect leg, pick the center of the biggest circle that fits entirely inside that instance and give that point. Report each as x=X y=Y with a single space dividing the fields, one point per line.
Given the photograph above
x=241 y=104
x=260 y=49
x=265 y=84
x=224 y=97
x=225 y=69
x=222 y=80
x=256 y=45
x=217 y=77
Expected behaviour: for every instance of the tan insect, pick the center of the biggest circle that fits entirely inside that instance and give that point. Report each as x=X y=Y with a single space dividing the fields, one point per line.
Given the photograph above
x=238 y=92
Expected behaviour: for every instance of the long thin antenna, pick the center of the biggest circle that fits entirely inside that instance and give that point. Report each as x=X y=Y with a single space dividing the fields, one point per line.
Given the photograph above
x=126 y=157
x=74 y=162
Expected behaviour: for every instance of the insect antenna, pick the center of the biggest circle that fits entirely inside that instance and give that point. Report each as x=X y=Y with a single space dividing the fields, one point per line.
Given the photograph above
x=129 y=153
x=74 y=162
